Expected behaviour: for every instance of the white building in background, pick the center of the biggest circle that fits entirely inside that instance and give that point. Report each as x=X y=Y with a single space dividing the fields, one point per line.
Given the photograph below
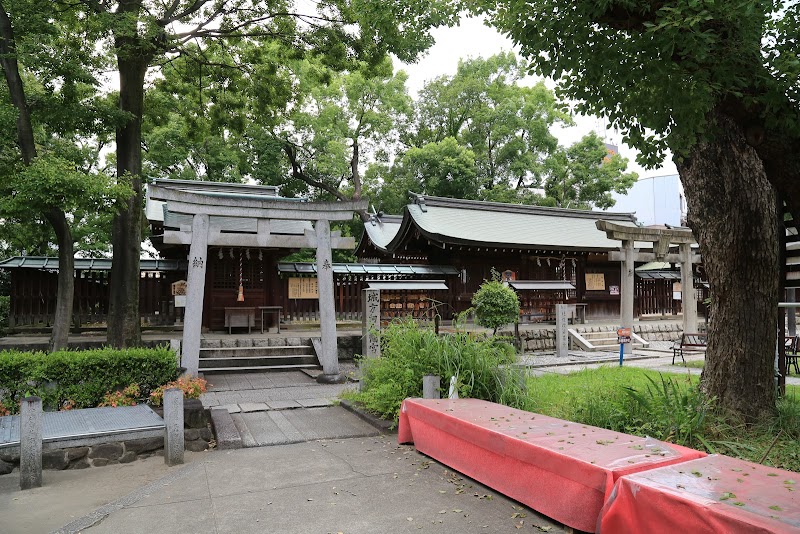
x=655 y=200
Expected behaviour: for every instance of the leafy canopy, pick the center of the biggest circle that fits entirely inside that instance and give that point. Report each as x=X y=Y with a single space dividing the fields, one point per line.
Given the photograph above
x=495 y=304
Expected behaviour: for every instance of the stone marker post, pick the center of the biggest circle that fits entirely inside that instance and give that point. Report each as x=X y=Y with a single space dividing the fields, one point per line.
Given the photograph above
x=371 y=340
x=562 y=336
x=173 y=421
x=195 y=286
x=430 y=387
x=30 y=443
x=327 y=307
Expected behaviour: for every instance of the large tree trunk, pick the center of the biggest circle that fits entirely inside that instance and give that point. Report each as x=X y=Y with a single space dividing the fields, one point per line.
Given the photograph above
x=123 y=311
x=66 y=280
x=733 y=215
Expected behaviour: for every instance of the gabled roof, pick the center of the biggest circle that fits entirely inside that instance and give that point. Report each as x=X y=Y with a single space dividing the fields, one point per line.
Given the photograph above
x=381 y=230
x=47 y=263
x=471 y=222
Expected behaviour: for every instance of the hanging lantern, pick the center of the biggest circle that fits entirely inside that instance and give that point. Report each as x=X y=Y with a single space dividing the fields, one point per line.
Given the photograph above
x=240 y=297
x=219 y=255
x=260 y=255
x=247 y=253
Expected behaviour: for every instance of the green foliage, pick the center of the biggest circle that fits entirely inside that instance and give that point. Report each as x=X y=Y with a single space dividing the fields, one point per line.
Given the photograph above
x=409 y=352
x=669 y=410
x=83 y=377
x=5 y=306
x=495 y=304
x=656 y=70
x=584 y=175
x=669 y=407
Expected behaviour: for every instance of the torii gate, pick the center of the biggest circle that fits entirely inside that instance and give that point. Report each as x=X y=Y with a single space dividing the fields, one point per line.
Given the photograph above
x=206 y=211
x=661 y=240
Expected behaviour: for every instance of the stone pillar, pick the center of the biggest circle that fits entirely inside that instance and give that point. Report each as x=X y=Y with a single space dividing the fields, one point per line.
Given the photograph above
x=430 y=387
x=627 y=289
x=30 y=443
x=562 y=336
x=371 y=324
x=175 y=346
x=688 y=295
x=173 y=421
x=195 y=288
x=329 y=357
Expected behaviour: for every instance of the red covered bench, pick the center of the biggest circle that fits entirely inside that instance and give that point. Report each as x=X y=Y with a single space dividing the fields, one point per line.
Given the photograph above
x=705 y=496
x=561 y=469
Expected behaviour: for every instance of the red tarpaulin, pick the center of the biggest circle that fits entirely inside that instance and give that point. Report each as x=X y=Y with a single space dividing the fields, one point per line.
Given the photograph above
x=706 y=496
x=562 y=469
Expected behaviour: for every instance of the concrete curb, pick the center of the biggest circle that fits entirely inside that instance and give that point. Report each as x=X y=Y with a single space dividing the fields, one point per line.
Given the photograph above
x=225 y=430
x=386 y=427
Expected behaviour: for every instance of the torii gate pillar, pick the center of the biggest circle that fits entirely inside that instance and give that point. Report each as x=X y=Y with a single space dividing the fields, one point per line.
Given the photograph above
x=627 y=289
x=688 y=297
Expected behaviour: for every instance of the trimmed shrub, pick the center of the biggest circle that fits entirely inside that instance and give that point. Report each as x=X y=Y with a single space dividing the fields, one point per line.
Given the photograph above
x=409 y=352
x=495 y=305
x=81 y=378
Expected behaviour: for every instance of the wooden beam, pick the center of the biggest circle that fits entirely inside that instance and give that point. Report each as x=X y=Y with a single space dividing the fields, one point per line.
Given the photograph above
x=172 y=237
x=193 y=203
x=616 y=255
x=653 y=235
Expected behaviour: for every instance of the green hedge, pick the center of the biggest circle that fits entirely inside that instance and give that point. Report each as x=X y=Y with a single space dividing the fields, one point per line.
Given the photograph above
x=81 y=376
x=5 y=306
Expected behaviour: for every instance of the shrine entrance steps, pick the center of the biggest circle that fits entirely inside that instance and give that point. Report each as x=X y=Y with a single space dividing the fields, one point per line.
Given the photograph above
x=602 y=341
x=242 y=355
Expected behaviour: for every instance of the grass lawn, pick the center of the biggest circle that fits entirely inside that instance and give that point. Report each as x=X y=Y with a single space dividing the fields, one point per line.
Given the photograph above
x=666 y=406
x=696 y=364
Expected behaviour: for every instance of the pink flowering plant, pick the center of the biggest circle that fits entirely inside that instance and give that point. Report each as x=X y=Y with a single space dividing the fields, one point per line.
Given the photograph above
x=126 y=397
x=192 y=389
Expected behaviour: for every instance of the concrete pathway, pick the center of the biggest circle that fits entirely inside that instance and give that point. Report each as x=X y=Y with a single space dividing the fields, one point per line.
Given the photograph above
x=279 y=408
x=349 y=486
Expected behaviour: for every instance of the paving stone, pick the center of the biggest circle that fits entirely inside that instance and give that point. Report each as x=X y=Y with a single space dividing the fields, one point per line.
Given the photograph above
x=315 y=403
x=232 y=408
x=226 y=431
x=283 y=404
x=247 y=407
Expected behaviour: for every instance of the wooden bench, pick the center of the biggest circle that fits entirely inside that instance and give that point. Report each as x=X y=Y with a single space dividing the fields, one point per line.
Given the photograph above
x=689 y=344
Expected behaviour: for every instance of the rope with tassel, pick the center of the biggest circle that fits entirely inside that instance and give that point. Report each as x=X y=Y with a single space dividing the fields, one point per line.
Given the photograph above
x=240 y=297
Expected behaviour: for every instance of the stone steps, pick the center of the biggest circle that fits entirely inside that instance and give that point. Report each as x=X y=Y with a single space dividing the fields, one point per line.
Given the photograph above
x=257 y=355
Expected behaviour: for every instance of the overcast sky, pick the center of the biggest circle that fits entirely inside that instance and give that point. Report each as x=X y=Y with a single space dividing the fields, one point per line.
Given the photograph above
x=472 y=39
